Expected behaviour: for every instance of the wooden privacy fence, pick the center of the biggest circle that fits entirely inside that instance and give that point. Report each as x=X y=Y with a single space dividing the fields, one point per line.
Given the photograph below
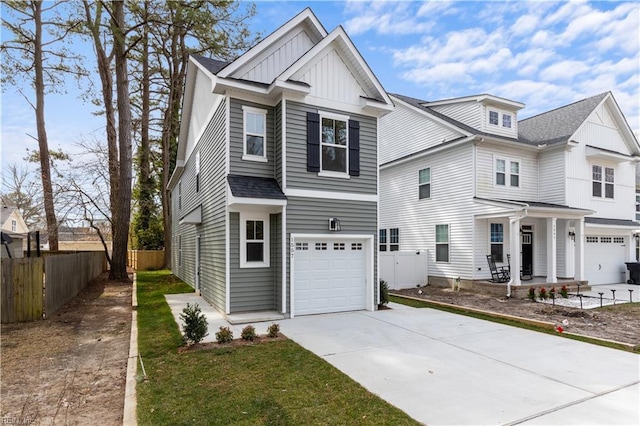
x=145 y=260
x=37 y=286
x=22 y=289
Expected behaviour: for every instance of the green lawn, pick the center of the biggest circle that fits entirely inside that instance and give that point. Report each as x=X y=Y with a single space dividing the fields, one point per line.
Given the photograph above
x=275 y=383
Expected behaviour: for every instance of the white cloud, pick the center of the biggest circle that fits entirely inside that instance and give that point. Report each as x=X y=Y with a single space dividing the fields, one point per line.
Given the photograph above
x=446 y=72
x=389 y=18
x=564 y=70
x=525 y=25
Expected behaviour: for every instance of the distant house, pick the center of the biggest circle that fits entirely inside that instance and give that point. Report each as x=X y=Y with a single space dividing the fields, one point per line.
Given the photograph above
x=464 y=179
x=14 y=232
x=84 y=238
x=276 y=184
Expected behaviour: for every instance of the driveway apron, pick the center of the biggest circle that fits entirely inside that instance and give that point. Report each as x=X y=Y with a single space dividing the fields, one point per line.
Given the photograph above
x=447 y=369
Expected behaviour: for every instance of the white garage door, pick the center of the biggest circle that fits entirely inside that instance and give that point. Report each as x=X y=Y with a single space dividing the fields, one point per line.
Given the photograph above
x=604 y=259
x=329 y=276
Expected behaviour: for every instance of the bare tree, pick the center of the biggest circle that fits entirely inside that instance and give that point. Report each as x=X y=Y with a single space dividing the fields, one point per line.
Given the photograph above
x=19 y=189
x=30 y=57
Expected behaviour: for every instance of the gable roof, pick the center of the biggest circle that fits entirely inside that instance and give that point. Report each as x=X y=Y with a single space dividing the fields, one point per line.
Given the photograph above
x=214 y=66
x=483 y=97
x=5 y=212
x=559 y=124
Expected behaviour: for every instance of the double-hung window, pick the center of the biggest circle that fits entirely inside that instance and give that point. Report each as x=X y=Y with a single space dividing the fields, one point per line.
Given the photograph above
x=497 y=242
x=637 y=206
x=382 y=240
x=334 y=144
x=394 y=239
x=198 y=171
x=424 y=183
x=255 y=134
x=510 y=175
x=500 y=119
x=254 y=240
x=14 y=225
x=600 y=179
x=442 y=243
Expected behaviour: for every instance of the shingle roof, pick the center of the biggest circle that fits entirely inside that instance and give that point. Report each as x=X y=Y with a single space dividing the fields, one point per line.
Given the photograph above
x=418 y=103
x=5 y=212
x=255 y=187
x=212 y=65
x=616 y=222
x=559 y=124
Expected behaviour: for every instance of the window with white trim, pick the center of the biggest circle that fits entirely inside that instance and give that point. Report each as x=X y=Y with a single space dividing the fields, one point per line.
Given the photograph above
x=394 y=239
x=592 y=239
x=255 y=134
x=334 y=143
x=600 y=179
x=179 y=250
x=382 y=240
x=510 y=175
x=179 y=194
x=424 y=183
x=637 y=206
x=500 y=119
x=497 y=242
x=606 y=240
x=338 y=246
x=14 y=225
x=618 y=240
x=442 y=243
x=356 y=246
x=254 y=240
x=198 y=171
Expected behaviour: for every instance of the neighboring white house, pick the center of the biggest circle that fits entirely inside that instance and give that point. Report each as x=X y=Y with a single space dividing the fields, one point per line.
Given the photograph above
x=463 y=179
x=14 y=231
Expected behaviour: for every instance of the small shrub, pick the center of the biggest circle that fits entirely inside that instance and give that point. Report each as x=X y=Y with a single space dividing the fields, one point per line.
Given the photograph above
x=564 y=292
x=384 y=292
x=532 y=294
x=542 y=293
x=248 y=333
x=195 y=324
x=552 y=293
x=225 y=335
x=273 y=330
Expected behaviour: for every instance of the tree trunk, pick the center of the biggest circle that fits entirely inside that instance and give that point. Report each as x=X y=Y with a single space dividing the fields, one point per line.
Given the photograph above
x=43 y=144
x=122 y=212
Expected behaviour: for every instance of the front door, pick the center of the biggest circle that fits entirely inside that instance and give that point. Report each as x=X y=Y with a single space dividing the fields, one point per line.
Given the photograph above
x=527 y=252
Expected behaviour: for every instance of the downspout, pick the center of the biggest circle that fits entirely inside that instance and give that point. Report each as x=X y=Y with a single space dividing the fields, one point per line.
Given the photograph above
x=513 y=220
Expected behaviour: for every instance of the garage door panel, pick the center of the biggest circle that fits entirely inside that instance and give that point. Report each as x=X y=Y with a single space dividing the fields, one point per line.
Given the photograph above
x=604 y=258
x=329 y=276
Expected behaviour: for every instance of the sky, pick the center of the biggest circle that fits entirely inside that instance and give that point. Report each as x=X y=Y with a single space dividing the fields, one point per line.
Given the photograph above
x=541 y=53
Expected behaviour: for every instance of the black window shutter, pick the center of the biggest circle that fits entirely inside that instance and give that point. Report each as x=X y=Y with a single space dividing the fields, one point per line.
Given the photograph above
x=313 y=142
x=354 y=148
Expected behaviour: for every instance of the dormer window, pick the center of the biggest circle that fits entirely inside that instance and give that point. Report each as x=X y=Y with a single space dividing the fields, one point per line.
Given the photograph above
x=500 y=119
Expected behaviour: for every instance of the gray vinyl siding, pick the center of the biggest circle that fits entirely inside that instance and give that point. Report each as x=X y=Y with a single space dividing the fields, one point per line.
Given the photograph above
x=254 y=289
x=310 y=216
x=237 y=165
x=212 y=147
x=278 y=143
x=296 y=140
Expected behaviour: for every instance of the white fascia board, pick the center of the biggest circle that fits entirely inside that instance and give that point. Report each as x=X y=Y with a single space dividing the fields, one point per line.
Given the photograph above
x=187 y=106
x=602 y=154
x=306 y=15
x=479 y=98
x=331 y=195
x=176 y=175
x=222 y=85
x=339 y=35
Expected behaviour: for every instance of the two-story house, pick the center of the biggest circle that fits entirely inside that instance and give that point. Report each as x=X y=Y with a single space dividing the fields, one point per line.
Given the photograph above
x=14 y=232
x=274 y=194
x=463 y=179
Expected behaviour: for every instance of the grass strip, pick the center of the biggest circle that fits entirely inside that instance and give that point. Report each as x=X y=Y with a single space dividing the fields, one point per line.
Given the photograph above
x=274 y=383
x=534 y=325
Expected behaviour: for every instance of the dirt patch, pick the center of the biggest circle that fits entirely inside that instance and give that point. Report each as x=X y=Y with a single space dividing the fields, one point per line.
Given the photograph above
x=71 y=367
x=620 y=323
x=259 y=340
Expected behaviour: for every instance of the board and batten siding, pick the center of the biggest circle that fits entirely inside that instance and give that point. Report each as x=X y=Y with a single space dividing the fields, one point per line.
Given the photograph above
x=451 y=203
x=277 y=58
x=485 y=166
x=212 y=197
x=201 y=108
x=311 y=216
x=469 y=113
x=296 y=139
x=406 y=131
x=254 y=289
x=238 y=166
x=551 y=176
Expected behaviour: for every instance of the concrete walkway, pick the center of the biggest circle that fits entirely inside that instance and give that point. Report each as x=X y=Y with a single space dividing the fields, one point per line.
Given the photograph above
x=446 y=369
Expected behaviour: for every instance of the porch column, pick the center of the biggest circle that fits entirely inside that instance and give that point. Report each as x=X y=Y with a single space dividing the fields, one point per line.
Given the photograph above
x=514 y=249
x=551 y=250
x=579 y=251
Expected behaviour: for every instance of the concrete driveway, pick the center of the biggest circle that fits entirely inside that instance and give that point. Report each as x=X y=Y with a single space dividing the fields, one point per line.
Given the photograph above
x=446 y=369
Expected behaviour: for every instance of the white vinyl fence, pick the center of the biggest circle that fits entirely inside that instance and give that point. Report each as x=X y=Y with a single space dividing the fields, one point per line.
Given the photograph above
x=403 y=269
